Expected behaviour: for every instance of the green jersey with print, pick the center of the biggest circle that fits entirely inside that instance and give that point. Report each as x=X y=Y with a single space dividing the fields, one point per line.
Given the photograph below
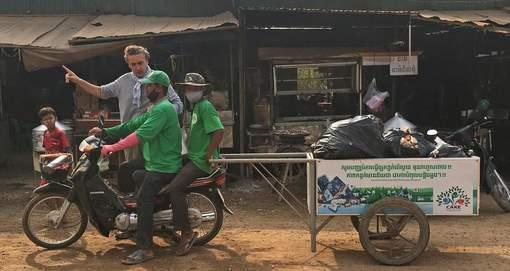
x=204 y=121
x=160 y=134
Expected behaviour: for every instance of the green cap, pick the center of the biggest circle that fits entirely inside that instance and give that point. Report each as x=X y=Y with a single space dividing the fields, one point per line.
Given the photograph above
x=156 y=77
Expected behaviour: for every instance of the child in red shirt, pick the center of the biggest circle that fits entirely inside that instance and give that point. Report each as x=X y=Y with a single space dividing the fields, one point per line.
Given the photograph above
x=54 y=139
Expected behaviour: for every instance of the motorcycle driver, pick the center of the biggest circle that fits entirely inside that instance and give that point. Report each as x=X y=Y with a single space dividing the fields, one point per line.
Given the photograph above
x=158 y=131
x=205 y=135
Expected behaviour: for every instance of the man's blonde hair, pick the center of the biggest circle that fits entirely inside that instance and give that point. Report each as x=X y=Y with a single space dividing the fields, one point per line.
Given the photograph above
x=131 y=50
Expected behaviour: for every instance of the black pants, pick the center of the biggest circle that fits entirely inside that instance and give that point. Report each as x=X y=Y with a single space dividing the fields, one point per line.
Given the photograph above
x=124 y=175
x=177 y=191
x=151 y=183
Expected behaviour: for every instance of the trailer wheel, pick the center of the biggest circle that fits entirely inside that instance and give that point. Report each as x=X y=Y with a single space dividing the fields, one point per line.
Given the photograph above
x=355 y=220
x=394 y=231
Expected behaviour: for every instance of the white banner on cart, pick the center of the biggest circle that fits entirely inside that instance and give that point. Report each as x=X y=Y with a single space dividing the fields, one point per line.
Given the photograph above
x=446 y=186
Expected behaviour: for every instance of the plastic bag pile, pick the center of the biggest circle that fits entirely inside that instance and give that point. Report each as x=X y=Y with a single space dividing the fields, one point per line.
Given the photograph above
x=366 y=136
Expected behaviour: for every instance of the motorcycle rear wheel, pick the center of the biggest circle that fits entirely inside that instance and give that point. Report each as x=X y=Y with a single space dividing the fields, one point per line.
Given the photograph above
x=212 y=210
x=41 y=212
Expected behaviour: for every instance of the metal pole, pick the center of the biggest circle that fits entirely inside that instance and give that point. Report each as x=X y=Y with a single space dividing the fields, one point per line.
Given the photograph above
x=394 y=95
x=231 y=60
x=360 y=86
x=313 y=210
x=360 y=103
x=242 y=89
x=264 y=155
x=261 y=160
x=409 y=36
x=284 y=179
x=1 y=102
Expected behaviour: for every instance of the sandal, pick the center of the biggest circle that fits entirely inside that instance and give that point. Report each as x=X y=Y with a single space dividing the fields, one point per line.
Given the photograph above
x=186 y=243
x=139 y=256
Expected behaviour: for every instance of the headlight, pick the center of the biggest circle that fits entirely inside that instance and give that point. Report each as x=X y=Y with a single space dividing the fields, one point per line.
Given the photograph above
x=89 y=144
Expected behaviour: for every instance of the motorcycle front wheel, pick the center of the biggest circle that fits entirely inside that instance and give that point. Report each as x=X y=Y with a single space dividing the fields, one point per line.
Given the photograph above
x=497 y=187
x=40 y=221
x=211 y=211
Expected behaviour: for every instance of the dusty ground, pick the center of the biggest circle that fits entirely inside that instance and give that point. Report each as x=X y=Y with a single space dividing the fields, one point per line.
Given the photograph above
x=263 y=235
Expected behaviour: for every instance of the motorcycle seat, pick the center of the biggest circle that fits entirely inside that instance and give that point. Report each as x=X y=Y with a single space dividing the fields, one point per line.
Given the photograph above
x=217 y=176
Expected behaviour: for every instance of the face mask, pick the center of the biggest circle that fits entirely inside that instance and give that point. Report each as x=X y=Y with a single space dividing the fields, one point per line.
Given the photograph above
x=153 y=96
x=195 y=96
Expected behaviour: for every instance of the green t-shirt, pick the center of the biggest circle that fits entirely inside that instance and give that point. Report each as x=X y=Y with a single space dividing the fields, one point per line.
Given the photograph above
x=204 y=121
x=160 y=134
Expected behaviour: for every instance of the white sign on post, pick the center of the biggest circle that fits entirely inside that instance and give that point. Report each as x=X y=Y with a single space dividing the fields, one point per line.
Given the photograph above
x=403 y=65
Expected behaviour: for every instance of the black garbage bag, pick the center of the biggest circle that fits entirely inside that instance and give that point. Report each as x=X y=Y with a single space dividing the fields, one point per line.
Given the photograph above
x=406 y=144
x=358 y=137
x=447 y=150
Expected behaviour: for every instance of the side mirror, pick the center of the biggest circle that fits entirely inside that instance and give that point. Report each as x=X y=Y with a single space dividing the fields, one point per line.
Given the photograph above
x=431 y=135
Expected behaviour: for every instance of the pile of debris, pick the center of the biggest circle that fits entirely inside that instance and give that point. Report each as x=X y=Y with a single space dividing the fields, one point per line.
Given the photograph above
x=365 y=136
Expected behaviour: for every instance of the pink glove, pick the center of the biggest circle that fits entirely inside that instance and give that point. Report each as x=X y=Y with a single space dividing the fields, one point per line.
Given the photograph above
x=129 y=141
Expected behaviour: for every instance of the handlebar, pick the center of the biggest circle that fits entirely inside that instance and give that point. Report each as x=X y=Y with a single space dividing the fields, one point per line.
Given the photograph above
x=465 y=128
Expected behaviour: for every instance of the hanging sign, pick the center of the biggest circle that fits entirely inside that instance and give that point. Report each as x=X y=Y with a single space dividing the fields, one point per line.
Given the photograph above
x=403 y=65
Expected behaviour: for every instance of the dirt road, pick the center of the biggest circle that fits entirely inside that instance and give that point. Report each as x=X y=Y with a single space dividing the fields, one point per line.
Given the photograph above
x=263 y=235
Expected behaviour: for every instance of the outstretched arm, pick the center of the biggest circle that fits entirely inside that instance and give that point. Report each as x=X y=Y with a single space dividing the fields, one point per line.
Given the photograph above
x=88 y=87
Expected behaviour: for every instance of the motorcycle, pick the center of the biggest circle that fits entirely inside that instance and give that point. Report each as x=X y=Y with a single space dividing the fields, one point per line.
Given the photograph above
x=490 y=179
x=58 y=214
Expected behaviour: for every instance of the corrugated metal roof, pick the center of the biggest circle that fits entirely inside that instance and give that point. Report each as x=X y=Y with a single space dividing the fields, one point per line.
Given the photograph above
x=127 y=26
x=24 y=30
x=181 y=8
x=59 y=37
x=497 y=20
x=59 y=31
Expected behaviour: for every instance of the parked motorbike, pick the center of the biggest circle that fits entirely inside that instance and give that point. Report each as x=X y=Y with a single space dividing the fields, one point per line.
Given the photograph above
x=58 y=214
x=490 y=179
